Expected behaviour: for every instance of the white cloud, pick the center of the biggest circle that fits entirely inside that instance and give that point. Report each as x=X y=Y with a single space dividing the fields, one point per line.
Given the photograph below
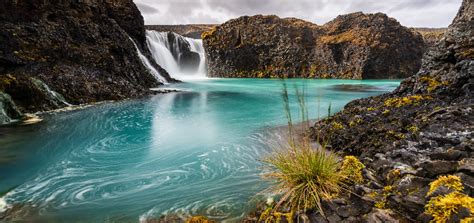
x=413 y=13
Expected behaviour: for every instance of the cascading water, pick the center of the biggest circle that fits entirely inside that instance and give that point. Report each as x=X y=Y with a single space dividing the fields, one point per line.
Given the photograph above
x=182 y=57
x=148 y=65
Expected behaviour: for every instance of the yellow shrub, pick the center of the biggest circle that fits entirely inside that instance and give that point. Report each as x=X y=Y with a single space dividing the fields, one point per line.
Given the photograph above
x=352 y=168
x=449 y=181
x=443 y=207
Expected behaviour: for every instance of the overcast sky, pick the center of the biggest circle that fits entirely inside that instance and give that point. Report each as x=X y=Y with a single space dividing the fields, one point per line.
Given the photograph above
x=412 y=13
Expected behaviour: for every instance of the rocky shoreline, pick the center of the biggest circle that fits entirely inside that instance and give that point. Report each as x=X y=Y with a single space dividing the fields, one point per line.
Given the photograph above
x=412 y=136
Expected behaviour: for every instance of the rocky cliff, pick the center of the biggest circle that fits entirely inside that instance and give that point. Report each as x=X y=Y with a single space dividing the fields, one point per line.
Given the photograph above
x=431 y=36
x=353 y=46
x=54 y=53
x=189 y=30
x=410 y=137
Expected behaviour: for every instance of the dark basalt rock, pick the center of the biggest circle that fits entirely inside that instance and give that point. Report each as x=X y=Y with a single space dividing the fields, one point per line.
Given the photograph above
x=420 y=131
x=8 y=109
x=79 y=51
x=352 y=46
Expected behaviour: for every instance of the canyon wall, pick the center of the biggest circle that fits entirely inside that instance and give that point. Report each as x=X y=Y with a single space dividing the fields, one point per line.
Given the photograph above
x=352 y=46
x=58 y=52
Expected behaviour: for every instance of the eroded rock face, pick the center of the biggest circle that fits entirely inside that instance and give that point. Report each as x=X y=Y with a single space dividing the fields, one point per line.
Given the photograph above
x=80 y=50
x=353 y=46
x=420 y=131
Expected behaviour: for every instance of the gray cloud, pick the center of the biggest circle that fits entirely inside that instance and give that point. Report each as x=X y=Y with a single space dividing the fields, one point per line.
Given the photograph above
x=413 y=13
x=147 y=9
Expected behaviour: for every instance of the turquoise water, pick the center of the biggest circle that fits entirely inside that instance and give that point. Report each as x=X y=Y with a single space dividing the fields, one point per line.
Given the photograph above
x=191 y=152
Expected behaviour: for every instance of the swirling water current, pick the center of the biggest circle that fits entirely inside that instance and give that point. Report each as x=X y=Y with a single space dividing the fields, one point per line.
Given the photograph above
x=190 y=152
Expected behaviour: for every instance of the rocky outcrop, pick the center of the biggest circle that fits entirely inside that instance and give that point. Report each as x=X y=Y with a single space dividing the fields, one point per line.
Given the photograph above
x=431 y=36
x=189 y=30
x=352 y=46
x=422 y=130
x=8 y=109
x=57 y=52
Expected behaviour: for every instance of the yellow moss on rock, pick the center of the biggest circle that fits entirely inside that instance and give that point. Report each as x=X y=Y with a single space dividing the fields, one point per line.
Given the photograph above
x=403 y=101
x=432 y=83
x=336 y=125
x=450 y=181
x=274 y=216
x=442 y=208
x=199 y=219
x=352 y=168
x=207 y=34
x=413 y=129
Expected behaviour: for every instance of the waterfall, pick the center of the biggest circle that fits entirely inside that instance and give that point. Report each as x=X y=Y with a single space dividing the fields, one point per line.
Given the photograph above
x=148 y=65
x=181 y=56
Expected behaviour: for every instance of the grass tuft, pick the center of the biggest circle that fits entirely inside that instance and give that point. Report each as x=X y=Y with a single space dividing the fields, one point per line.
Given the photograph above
x=305 y=173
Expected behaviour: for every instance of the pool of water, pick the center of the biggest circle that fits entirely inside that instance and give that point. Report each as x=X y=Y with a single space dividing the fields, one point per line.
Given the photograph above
x=190 y=152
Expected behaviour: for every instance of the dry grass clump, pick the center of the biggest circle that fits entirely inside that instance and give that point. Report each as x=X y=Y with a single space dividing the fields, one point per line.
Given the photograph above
x=305 y=175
